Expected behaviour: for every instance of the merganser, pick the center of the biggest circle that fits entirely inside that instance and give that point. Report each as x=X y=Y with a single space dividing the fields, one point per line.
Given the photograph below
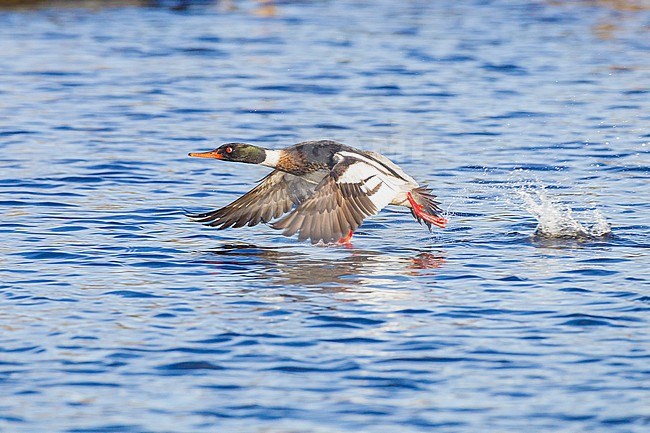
x=327 y=188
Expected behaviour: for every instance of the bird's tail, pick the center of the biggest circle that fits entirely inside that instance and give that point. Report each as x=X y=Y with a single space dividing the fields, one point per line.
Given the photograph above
x=424 y=207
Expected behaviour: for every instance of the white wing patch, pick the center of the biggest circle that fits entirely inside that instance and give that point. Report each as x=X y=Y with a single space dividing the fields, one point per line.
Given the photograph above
x=381 y=158
x=374 y=183
x=382 y=164
x=384 y=195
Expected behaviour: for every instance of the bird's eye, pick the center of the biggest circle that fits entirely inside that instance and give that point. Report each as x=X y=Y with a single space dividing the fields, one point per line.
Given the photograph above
x=228 y=149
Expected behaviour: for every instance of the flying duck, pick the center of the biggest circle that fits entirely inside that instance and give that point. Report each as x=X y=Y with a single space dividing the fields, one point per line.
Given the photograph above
x=322 y=190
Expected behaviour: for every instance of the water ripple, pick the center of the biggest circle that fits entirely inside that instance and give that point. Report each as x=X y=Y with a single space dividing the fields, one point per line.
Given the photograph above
x=121 y=314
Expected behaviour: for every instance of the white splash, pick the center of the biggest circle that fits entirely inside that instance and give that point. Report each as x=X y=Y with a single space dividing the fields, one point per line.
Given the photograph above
x=556 y=219
x=600 y=226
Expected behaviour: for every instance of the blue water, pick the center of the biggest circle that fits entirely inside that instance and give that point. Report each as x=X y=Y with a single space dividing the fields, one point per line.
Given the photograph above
x=528 y=118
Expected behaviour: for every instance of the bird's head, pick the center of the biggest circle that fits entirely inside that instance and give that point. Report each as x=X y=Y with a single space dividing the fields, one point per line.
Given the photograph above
x=237 y=152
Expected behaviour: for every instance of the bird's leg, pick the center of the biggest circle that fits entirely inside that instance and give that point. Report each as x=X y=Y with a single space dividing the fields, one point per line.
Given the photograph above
x=346 y=240
x=418 y=209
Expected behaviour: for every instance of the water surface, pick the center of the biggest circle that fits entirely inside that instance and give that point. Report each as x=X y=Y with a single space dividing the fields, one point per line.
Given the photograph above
x=529 y=119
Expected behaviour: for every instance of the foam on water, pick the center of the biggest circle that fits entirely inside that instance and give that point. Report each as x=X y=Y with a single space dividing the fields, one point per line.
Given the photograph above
x=557 y=219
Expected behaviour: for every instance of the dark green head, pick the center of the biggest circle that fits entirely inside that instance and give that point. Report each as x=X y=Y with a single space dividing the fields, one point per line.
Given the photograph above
x=237 y=152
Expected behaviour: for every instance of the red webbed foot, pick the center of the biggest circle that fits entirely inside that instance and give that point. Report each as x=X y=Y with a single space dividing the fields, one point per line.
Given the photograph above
x=418 y=210
x=345 y=240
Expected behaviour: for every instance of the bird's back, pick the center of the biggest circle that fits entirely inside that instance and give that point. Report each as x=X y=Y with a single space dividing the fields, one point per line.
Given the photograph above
x=311 y=156
x=321 y=151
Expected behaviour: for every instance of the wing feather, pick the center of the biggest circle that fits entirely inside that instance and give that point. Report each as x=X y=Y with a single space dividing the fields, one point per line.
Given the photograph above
x=353 y=191
x=274 y=196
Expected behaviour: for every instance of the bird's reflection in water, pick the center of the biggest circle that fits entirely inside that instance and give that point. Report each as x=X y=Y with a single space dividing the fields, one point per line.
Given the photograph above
x=332 y=271
x=427 y=261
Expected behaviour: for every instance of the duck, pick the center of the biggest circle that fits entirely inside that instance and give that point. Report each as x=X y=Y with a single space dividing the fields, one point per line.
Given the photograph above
x=320 y=190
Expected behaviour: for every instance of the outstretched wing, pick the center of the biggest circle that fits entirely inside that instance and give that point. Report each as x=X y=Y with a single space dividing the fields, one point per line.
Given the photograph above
x=275 y=195
x=353 y=191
